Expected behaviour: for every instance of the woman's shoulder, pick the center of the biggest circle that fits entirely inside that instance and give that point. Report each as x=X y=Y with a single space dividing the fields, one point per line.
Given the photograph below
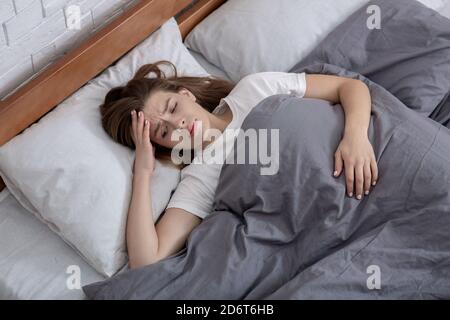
x=261 y=76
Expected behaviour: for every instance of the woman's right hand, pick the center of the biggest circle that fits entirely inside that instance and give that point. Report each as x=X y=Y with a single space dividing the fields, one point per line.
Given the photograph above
x=144 y=161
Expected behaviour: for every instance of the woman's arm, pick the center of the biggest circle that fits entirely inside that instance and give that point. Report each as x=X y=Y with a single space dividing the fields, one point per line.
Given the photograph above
x=147 y=244
x=142 y=239
x=355 y=151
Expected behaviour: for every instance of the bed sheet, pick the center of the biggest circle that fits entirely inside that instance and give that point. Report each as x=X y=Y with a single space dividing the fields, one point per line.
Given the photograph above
x=34 y=262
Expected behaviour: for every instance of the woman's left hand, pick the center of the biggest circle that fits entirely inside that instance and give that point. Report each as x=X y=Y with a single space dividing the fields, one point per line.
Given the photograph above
x=356 y=154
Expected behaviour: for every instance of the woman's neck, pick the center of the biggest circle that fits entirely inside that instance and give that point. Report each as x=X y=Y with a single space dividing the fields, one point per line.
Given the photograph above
x=219 y=122
x=222 y=120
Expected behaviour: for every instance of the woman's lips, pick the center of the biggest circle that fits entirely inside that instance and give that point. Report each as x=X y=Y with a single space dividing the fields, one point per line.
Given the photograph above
x=191 y=130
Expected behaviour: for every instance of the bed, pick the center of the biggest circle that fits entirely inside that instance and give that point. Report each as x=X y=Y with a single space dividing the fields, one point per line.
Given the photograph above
x=31 y=254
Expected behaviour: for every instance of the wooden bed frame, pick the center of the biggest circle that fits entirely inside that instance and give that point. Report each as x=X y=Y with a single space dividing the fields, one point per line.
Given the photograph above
x=39 y=96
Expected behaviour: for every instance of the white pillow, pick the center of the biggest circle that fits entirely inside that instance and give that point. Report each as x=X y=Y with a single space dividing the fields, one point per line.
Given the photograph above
x=74 y=177
x=445 y=11
x=434 y=4
x=248 y=36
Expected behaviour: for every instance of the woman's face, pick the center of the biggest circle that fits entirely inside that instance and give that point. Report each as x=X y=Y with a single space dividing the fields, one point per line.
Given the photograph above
x=171 y=111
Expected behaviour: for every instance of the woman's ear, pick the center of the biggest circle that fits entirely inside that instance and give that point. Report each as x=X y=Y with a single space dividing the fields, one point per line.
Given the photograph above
x=187 y=93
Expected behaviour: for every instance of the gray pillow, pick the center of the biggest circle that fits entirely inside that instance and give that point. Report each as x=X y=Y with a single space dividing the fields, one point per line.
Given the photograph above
x=409 y=55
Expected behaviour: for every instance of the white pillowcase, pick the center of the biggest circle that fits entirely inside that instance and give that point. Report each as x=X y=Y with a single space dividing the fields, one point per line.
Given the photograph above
x=434 y=4
x=248 y=36
x=74 y=177
x=445 y=11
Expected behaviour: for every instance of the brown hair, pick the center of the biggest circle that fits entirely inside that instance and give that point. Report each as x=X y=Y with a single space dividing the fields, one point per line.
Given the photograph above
x=120 y=101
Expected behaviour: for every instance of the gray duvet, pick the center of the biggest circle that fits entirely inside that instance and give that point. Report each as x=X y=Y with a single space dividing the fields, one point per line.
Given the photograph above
x=296 y=235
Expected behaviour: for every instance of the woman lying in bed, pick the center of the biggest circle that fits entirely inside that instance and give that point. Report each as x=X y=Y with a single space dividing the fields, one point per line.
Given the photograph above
x=147 y=111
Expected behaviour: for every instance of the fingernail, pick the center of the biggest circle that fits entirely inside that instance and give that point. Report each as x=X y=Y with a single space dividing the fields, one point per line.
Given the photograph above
x=367 y=192
x=146 y=122
x=359 y=197
x=335 y=173
x=374 y=183
x=350 y=194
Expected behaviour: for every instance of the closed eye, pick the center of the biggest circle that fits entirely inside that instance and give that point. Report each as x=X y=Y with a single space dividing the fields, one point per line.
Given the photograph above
x=173 y=110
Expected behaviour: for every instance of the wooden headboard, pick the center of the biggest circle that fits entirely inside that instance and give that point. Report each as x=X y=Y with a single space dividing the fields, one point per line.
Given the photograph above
x=33 y=100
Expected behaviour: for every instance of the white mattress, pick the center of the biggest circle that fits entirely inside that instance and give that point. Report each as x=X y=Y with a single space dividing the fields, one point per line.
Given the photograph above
x=33 y=259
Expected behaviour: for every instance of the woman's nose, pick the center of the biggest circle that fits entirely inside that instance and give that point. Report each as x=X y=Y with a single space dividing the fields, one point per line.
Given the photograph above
x=182 y=123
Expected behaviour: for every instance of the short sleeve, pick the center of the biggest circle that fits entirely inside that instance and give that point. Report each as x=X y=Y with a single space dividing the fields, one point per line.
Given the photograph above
x=280 y=83
x=195 y=192
x=255 y=87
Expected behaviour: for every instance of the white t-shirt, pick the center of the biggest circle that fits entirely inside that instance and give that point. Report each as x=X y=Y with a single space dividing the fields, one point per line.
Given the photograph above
x=199 y=180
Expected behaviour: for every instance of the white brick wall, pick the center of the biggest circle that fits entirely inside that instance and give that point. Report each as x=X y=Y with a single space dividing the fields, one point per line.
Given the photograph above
x=34 y=33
